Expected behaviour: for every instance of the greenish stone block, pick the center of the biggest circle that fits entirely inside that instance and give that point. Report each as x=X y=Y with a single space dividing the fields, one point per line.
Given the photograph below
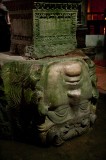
x=54 y=29
x=54 y=32
x=52 y=98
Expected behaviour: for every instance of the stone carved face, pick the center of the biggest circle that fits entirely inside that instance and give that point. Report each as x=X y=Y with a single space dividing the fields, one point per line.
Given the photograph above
x=67 y=82
x=64 y=92
x=67 y=96
x=67 y=88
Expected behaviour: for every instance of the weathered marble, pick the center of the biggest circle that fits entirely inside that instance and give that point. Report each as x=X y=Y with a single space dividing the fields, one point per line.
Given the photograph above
x=54 y=29
x=55 y=96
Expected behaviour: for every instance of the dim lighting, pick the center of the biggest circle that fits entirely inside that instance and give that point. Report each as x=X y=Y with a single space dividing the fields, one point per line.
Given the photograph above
x=104 y=30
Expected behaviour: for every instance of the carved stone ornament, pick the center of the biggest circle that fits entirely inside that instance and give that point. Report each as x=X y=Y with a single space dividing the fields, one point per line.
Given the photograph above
x=53 y=97
x=58 y=5
x=54 y=28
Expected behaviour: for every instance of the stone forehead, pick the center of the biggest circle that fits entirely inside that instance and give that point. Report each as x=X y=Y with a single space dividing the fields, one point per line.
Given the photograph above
x=67 y=61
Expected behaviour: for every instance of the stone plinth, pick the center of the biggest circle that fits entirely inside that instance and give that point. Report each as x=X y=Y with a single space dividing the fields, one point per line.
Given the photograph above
x=54 y=28
x=43 y=28
x=53 y=99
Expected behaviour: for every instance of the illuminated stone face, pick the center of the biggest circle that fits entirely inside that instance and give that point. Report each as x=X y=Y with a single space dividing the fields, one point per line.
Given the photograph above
x=67 y=83
x=57 y=95
x=67 y=93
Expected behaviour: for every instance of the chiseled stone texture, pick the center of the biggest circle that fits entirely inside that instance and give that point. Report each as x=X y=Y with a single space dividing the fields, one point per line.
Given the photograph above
x=55 y=96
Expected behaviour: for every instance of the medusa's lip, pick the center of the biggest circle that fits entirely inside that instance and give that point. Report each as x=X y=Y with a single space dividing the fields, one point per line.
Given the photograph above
x=74 y=80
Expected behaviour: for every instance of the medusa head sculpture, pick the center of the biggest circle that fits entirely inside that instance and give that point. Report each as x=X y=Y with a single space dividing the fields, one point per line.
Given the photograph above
x=67 y=96
x=57 y=96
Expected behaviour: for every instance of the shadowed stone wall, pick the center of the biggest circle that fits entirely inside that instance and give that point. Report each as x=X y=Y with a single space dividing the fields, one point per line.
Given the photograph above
x=21 y=24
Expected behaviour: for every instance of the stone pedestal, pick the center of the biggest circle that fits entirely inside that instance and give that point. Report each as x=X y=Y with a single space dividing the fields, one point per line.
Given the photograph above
x=54 y=29
x=41 y=29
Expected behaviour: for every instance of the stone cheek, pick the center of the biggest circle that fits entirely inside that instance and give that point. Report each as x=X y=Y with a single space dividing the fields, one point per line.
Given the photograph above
x=66 y=101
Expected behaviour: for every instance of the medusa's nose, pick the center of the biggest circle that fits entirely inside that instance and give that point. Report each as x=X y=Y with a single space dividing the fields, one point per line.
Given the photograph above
x=73 y=69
